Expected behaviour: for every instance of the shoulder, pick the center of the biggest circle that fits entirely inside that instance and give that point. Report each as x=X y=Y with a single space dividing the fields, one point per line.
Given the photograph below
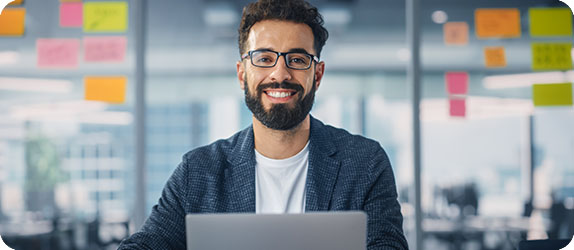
x=216 y=153
x=353 y=151
x=348 y=143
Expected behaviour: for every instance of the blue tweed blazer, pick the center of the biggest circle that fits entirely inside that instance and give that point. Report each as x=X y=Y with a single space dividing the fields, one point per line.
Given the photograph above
x=346 y=172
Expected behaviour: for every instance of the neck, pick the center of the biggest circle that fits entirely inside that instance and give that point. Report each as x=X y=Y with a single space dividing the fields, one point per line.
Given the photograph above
x=280 y=144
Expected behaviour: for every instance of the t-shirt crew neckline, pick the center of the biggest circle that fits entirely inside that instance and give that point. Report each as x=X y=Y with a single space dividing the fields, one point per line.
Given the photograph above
x=281 y=163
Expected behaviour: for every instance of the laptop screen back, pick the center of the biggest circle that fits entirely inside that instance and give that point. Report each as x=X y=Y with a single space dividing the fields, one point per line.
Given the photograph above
x=318 y=231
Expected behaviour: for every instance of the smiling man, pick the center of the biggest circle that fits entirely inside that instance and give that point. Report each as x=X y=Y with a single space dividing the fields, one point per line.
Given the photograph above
x=287 y=161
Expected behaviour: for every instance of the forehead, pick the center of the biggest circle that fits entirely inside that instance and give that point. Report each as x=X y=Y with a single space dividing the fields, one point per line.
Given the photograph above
x=280 y=36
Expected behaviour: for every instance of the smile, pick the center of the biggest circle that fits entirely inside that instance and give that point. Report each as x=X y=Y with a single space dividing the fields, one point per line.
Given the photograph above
x=280 y=95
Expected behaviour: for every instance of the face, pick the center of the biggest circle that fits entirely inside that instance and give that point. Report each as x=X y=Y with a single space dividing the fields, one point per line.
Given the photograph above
x=279 y=97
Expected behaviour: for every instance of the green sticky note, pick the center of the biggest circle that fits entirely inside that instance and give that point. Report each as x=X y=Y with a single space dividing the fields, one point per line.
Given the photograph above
x=550 y=22
x=556 y=94
x=105 y=16
x=551 y=56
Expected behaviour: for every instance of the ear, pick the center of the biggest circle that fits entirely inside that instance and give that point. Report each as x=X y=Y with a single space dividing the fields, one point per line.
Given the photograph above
x=241 y=74
x=319 y=71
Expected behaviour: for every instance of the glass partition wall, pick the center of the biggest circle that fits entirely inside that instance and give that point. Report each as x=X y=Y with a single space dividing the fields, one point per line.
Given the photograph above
x=494 y=168
x=66 y=153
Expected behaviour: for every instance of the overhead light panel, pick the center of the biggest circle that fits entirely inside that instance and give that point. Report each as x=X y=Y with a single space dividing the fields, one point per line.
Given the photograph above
x=35 y=85
x=526 y=80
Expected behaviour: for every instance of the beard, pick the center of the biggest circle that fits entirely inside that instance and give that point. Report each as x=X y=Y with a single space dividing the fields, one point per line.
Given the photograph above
x=280 y=116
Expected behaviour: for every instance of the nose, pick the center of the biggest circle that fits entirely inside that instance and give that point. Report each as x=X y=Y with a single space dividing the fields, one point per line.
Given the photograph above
x=280 y=72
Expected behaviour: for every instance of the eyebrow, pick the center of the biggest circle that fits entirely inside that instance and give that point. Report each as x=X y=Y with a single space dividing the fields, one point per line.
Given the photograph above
x=295 y=50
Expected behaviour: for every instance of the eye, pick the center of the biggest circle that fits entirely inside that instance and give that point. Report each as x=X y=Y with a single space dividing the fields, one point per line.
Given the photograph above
x=263 y=58
x=298 y=59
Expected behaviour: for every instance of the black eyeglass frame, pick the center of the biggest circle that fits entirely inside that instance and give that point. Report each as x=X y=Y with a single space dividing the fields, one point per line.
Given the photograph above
x=279 y=54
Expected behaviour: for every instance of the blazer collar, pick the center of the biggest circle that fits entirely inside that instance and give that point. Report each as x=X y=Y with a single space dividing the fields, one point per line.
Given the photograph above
x=321 y=175
x=240 y=175
x=323 y=168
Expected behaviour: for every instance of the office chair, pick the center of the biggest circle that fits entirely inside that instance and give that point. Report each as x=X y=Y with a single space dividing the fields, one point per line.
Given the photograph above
x=542 y=244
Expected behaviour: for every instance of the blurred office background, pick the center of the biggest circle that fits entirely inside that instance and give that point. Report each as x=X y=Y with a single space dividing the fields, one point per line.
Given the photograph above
x=502 y=173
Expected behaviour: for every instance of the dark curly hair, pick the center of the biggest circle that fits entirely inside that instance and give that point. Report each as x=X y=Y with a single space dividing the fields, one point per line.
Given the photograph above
x=298 y=11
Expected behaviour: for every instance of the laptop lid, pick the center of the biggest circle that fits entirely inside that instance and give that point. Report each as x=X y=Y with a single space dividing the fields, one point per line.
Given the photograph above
x=317 y=231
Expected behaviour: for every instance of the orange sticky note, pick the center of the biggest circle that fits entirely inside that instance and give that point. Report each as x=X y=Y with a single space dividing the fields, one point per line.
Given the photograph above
x=16 y=2
x=110 y=89
x=12 y=22
x=455 y=33
x=497 y=23
x=105 y=49
x=494 y=57
x=457 y=107
x=57 y=53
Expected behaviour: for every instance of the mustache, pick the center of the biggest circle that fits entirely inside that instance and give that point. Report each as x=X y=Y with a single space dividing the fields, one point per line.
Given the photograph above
x=279 y=85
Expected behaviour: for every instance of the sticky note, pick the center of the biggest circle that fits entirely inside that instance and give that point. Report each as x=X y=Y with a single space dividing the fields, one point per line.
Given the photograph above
x=71 y=14
x=105 y=16
x=16 y=2
x=457 y=107
x=494 y=57
x=556 y=94
x=12 y=22
x=110 y=89
x=456 y=83
x=550 y=22
x=497 y=23
x=105 y=49
x=551 y=56
x=455 y=33
x=57 y=53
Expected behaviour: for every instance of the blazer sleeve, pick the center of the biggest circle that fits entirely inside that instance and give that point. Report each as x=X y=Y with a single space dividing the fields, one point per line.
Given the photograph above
x=165 y=227
x=382 y=207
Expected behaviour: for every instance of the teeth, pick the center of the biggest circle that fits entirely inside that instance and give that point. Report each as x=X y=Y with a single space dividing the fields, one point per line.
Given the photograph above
x=279 y=94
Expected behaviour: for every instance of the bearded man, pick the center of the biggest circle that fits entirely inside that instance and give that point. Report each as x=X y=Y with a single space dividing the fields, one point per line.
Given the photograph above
x=287 y=161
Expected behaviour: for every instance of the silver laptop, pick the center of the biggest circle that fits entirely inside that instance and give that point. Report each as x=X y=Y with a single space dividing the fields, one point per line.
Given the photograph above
x=317 y=231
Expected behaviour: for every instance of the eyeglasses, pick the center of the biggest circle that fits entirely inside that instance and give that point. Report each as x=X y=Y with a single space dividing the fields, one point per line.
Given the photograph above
x=265 y=58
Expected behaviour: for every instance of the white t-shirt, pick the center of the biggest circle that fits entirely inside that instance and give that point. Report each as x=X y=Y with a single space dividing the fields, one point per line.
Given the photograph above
x=280 y=184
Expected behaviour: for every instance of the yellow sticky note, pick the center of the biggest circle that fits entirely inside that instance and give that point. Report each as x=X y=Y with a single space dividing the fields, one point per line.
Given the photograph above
x=556 y=94
x=550 y=22
x=12 y=22
x=105 y=16
x=551 y=56
x=110 y=89
x=16 y=2
x=497 y=23
x=455 y=33
x=494 y=57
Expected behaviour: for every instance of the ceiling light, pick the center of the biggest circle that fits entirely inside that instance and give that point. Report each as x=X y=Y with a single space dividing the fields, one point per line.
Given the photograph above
x=439 y=17
x=35 y=85
x=524 y=80
x=9 y=57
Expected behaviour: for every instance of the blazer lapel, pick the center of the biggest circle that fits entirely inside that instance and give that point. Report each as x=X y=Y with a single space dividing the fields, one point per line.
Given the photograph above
x=323 y=169
x=240 y=175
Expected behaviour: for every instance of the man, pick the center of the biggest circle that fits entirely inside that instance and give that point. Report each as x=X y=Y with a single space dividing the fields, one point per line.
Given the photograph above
x=287 y=161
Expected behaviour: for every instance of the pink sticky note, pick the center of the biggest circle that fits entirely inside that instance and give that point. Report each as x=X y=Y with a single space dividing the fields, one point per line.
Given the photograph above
x=57 y=53
x=105 y=49
x=71 y=14
x=456 y=83
x=457 y=107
